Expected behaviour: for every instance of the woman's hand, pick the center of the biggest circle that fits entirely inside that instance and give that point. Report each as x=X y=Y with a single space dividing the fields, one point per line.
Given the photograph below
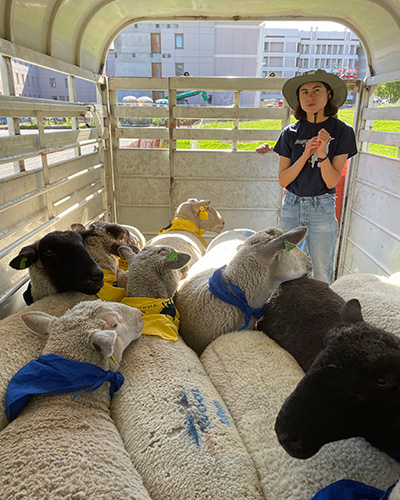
x=323 y=139
x=311 y=146
x=264 y=148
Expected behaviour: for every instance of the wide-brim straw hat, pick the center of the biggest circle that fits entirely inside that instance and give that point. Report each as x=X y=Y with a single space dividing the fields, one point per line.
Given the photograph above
x=337 y=85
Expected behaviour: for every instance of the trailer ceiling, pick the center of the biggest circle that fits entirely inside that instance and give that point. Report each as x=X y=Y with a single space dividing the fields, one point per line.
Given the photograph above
x=79 y=32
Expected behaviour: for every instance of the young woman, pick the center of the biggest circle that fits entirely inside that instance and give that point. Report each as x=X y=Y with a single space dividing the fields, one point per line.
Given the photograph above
x=313 y=152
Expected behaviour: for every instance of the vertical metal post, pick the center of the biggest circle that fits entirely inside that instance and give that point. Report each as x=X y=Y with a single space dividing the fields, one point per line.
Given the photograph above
x=45 y=166
x=236 y=105
x=114 y=146
x=72 y=98
x=7 y=79
x=172 y=144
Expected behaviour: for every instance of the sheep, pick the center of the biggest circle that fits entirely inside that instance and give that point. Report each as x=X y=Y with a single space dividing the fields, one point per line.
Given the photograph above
x=238 y=235
x=58 y=262
x=192 y=218
x=62 y=445
x=102 y=240
x=168 y=412
x=137 y=234
x=254 y=376
x=299 y=315
x=379 y=297
x=264 y=260
x=351 y=389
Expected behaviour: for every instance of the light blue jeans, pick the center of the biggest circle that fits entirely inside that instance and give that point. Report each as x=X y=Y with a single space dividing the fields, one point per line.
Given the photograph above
x=318 y=214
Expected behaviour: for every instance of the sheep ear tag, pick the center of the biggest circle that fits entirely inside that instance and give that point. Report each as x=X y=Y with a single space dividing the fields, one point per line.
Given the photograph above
x=22 y=264
x=289 y=246
x=172 y=256
x=203 y=214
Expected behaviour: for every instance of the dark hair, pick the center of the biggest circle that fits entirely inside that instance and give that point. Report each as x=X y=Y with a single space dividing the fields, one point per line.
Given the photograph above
x=330 y=108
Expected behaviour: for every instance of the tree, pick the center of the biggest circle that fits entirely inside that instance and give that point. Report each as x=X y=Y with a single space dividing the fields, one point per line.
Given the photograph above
x=390 y=91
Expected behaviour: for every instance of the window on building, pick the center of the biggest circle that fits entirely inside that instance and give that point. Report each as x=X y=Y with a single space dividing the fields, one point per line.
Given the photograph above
x=178 y=40
x=37 y=81
x=329 y=49
x=276 y=61
x=327 y=63
x=323 y=49
x=66 y=83
x=340 y=49
x=266 y=46
x=53 y=83
x=316 y=64
x=334 y=49
x=17 y=76
x=306 y=49
x=54 y=97
x=276 y=47
x=61 y=98
x=155 y=43
x=340 y=62
x=179 y=69
x=305 y=63
x=318 y=49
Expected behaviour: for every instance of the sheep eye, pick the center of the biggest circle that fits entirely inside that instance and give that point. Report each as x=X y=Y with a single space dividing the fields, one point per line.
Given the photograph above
x=382 y=383
x=115 y=325
x=49 y=252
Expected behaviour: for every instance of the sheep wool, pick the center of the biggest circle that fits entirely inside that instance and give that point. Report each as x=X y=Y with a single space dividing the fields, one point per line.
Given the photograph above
x=179 y=434
x=379 y=297
x=18 y=345
x=254 y=377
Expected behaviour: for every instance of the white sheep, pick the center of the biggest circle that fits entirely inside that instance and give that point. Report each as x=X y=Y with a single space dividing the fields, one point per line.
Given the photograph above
x=264 y=261
x=136 y=233
x=65 y=446
x=192 y=218
x=254 y=377
x=176 y=427
x=379 y=297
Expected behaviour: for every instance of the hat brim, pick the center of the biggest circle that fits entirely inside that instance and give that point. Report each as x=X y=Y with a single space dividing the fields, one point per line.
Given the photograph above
x=337 y=85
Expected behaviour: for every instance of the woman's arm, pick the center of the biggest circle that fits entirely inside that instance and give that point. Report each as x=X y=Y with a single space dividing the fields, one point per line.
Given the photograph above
x=331 y=171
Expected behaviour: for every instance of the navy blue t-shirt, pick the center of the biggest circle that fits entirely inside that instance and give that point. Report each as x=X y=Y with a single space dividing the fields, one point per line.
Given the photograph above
x=291 y=144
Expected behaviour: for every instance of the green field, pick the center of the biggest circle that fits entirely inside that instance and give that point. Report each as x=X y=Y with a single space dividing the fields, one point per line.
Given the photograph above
x=346 y=115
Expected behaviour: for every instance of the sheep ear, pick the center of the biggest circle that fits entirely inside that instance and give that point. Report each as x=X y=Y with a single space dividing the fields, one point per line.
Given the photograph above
x=26 y=257
x=103 y=340
x=351 y=312
x=292 y=237
x=115 y=249
x=176 y=260
x=78 y=227
x=126 y=251
x=37 y=322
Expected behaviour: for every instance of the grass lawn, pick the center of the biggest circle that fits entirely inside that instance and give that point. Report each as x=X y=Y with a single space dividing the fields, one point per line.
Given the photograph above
x=346 y=115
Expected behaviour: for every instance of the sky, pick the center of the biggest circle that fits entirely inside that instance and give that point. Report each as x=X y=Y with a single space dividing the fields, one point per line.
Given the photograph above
x=305 y=25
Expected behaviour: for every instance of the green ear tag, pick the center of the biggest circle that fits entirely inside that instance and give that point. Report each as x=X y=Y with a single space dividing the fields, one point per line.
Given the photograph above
x=172 y=256
x=289 y=246
x=22 y=264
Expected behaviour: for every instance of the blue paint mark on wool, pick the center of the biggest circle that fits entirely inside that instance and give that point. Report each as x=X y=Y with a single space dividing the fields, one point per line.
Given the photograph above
x=192 y=428
x=223 y=417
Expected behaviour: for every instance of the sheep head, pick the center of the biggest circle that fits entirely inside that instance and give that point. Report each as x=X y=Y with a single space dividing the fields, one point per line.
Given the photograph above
x=202 y=214
x=59 y=262
x=94 y=332
x=352 y=389
x=153 y=272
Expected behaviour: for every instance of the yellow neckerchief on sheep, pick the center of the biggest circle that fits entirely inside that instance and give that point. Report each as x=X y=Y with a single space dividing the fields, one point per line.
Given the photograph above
x=109 y=292
x=159 y=315
x=179 y=224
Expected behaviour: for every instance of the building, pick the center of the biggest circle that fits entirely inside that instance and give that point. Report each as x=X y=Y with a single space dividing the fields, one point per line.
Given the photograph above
x=199 y=48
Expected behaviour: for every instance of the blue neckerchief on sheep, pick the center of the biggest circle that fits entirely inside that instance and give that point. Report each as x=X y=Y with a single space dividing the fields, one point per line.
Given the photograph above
x=235 y=296
x=346 y=489
x=52 y=373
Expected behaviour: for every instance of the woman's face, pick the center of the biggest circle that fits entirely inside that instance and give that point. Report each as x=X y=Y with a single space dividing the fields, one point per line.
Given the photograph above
x=313 y=97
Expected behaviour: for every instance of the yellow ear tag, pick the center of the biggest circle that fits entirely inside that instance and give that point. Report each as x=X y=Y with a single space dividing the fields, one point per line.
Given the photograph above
x=289 y=246
x=203 y=214
x=113 y=359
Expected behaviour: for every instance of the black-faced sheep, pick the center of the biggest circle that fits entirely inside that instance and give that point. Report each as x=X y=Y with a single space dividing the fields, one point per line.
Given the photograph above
x=351 y=389
x=262 y=263
x=168 y=412
x=299 y=315
x=192 y=218
x=64 y=444
x=59 y=262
